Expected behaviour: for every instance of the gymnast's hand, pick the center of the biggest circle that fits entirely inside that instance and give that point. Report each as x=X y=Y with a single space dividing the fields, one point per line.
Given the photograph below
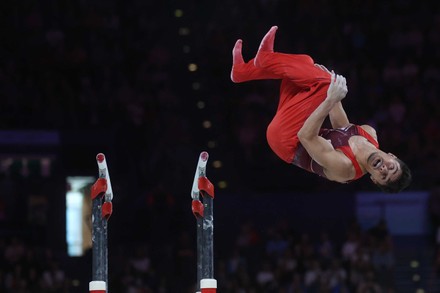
x=337 y=89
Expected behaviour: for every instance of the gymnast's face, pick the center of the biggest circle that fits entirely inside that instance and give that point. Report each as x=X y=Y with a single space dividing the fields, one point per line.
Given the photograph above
x=383 y=167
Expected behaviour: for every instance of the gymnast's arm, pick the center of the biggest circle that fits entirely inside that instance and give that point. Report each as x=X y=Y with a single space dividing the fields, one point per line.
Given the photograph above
x=317 y=147
x=338 y=117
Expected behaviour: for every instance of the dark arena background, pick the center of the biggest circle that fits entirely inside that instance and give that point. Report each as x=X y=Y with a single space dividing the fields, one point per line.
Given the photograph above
x=147 y=83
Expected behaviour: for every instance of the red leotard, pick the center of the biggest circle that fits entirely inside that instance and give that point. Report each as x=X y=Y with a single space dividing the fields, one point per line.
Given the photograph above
x=338 y=137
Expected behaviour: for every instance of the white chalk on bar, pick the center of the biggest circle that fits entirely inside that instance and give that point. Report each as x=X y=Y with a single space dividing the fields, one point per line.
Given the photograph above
x=201 y=168
x=103 y=172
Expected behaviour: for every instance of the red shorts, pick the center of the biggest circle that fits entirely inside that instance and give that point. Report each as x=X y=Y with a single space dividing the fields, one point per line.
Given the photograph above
x=303 y=88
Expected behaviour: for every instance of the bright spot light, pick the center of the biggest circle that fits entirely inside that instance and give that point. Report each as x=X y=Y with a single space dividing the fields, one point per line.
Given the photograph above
x=217 y=164
x=414 y=264
x=200 y=104
x=420 y=290
x=416 y=278
x=178 y=13
x=207 y=124
x=222 y=184
x=75 y=283
x=184 y=31
x=212 y=144
x=192 y=67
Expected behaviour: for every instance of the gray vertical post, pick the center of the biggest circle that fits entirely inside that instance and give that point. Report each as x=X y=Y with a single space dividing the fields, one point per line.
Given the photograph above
x=207 y=282
x=199 y=251
x=208 y=238
x=99 y=239
x=198 y=211
x=102 y=208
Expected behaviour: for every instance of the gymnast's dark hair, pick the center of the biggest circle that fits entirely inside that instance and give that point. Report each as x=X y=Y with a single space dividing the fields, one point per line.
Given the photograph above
x=399 y=184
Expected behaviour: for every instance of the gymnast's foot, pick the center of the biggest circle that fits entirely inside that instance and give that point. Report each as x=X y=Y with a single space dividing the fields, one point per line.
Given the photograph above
x=237 y=59
x=266 y=45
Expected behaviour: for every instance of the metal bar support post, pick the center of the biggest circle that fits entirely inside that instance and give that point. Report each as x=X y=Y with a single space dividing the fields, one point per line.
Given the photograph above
x=102 y=208
x=204 y=213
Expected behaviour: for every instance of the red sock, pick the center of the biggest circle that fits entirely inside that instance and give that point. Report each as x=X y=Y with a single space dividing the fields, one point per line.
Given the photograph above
x=266 y=44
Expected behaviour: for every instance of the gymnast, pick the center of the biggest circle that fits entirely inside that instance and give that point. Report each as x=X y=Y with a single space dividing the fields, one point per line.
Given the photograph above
x=308 y=94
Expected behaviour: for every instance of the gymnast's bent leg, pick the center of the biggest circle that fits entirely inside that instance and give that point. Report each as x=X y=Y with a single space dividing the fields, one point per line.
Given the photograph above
x=297 y=68
x=246 y=71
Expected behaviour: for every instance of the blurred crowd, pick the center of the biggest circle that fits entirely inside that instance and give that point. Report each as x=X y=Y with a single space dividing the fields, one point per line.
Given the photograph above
x=273 y=259
x=149 y=82
x=29 y=268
